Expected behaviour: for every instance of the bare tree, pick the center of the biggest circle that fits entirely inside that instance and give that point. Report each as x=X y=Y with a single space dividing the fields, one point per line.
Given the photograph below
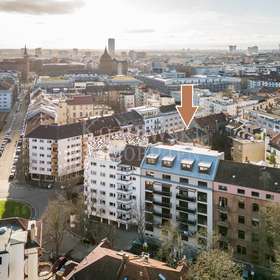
x=55 y=223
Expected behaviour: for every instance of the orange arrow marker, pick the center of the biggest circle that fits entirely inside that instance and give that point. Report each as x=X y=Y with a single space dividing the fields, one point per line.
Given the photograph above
x=187 y=110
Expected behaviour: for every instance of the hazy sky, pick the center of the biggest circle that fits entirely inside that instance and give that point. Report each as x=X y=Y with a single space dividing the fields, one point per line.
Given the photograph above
x=161 y=24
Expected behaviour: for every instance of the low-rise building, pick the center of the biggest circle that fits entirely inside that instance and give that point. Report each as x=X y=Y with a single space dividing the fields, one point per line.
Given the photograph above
x=246 y=150
x=105 y=263
x=20 y=243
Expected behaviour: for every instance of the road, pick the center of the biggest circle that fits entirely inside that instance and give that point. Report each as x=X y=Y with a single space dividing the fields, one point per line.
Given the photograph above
x=36 y=197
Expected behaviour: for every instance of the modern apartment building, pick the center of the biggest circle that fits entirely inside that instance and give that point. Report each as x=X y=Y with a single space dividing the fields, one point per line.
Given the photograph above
x=177 y=184
x=56 y=153
x=112 y=180
x=240 y=192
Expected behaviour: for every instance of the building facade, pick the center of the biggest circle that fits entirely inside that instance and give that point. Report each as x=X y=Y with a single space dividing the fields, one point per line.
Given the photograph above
x=177 y=184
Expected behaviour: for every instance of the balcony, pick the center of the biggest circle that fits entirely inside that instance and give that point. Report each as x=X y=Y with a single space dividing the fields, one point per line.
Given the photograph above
x=185 y=197
x=162 y=215
x=119 y=208
x=162 y=193
x=124 y=199
x=185 y=209
x=162 y=204
x=124 y=190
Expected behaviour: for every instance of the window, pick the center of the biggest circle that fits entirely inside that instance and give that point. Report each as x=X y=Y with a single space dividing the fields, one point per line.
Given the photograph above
x=166 y=177
x=223 y=230
x=255 y=222
x=241 y=250
x=222 y=188
x=204 y=167
x=241 y=219
x=168 y=161
x=223 y=217
x=240 y=191
x=255 y=194
x=269 y=196
x=241 y=205
x=184 y=180
x=241 y=234
x=150 y=174
x=151 y=159
x=223 y=202
x=202 y=184
x=187 y=164
x=202 y=219
x=202 y=197
x=255 y=207
x=202 y=208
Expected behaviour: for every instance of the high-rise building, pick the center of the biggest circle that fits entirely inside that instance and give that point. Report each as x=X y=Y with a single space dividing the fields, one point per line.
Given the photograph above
x=111 y=46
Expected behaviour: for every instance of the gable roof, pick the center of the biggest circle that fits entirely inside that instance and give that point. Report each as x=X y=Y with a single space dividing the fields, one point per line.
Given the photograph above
x=107 y=264
x=236 y=173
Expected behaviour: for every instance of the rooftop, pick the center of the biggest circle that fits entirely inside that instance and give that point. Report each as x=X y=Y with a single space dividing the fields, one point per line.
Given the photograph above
x=235 y=173
x=107 y=264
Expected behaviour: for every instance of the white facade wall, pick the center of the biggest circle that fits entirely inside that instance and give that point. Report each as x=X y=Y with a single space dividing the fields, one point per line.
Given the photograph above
x=6 y=100
x=70 y=159
x=40 y=154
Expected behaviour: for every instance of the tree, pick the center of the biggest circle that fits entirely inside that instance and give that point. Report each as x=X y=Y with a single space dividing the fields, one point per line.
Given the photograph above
x=214 y=264
x=171 y=245
x=55 y=223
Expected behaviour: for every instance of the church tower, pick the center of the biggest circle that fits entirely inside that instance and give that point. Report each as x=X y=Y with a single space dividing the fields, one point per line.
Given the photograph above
x=25 y=66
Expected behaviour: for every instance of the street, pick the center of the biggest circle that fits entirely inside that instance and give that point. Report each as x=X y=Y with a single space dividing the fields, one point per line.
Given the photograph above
x=36 y=197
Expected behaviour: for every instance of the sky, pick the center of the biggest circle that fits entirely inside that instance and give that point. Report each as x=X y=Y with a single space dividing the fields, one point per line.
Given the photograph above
x=140 y=24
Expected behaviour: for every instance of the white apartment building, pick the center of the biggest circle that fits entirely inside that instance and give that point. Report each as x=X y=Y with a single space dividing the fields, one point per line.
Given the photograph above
x=112 y=181
x=151 y=117
x=268 y=121
x=20 y=241
x=6 y=100
x=160 y=119
x=56 y=152
x=176 y=185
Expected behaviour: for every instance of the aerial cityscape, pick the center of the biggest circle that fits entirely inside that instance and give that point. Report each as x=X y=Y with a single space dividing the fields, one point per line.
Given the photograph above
x=139 y=140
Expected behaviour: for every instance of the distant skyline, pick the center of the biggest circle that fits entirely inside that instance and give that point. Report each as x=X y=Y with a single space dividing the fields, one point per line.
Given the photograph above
x=140 y=24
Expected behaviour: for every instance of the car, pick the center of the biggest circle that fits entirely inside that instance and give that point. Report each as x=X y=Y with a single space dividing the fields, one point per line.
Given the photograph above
x=50 y=186
x=62 y=187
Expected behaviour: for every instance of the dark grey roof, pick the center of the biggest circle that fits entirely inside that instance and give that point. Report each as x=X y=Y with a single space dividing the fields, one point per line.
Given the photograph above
x=56 y=132
x=248 y=175
x=168 y=108
x=129 y=118
x=133 y=155
x=97 y=126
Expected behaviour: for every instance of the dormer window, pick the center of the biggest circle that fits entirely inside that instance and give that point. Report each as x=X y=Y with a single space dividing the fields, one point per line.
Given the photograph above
x=152 y=159
x=187 y=164
x=168 y=161
x=204 y=167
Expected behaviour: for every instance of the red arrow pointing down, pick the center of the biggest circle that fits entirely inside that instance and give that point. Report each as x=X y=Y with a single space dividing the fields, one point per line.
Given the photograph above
x=187 y=110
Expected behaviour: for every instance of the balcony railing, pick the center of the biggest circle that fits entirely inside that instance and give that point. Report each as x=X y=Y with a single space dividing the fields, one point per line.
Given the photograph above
x=162 y=215
x=162 y=193
x=186 y=209
x=185 y=197
x=162 y=204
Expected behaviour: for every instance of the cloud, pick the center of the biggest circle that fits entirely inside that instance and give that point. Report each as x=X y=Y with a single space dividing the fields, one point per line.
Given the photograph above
x=138 y=31
x=39 y=7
